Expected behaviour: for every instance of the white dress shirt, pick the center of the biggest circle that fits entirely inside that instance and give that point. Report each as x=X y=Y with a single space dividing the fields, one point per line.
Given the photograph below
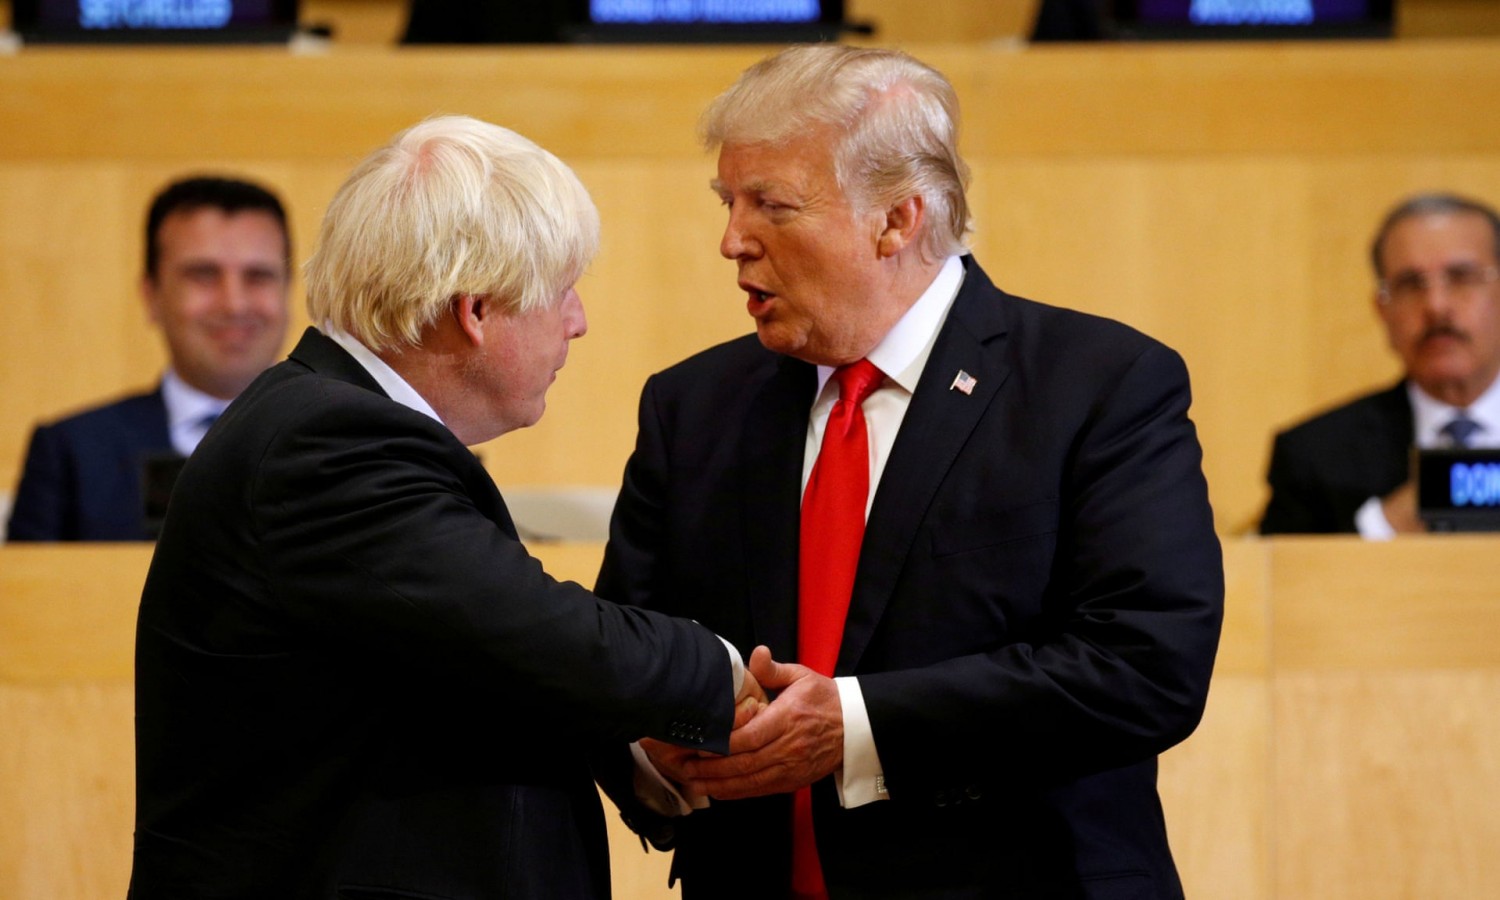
x=901 y=355
x=1429 y=415
x=189 y=412
x=392 y=383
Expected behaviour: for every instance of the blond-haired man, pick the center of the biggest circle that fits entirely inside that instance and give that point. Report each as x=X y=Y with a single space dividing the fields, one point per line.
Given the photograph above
x=352 y=680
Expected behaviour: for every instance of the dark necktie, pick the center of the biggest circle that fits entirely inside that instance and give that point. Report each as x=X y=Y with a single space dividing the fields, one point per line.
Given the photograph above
x=833 y=525
x=1461 y=430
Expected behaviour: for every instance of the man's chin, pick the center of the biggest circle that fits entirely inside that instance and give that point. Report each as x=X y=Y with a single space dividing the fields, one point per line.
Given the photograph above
x=776 y=339
x=1433 y=374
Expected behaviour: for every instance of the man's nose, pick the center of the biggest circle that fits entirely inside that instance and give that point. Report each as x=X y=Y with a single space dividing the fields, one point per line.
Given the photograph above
x=736 y=242
x=235 y=295
x=1437 y=295
x=576 y=321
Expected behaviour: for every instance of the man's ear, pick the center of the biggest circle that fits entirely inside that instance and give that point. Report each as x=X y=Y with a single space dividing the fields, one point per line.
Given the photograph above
x=903 y=224
x=469 y=312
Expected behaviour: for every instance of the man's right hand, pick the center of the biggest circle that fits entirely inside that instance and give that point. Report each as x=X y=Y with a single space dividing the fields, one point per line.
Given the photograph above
x=1400 y=508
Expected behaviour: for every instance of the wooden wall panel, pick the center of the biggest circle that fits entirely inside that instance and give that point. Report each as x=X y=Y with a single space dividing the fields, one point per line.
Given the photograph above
x=1386 y=686
x=1222 y=845
x=1218 y=197
x=1385 y=784
x=1347 y=750
x=67 y=766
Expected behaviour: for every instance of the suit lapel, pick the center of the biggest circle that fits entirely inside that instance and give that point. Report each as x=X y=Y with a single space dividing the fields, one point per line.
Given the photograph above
x=936 y=427
x=156 y=430
x=775 y=435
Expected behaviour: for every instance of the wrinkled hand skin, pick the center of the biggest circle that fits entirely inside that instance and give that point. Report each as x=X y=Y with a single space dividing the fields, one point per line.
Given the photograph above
x=669 y=758
x=794 y=741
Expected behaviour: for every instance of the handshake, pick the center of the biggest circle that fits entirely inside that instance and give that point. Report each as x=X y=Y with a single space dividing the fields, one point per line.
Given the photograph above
x=781 y=741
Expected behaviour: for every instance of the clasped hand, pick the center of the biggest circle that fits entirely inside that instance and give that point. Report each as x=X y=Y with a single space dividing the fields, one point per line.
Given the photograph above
x=776 y=747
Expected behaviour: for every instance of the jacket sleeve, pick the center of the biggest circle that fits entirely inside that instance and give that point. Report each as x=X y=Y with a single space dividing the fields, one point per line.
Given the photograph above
x=391 y=538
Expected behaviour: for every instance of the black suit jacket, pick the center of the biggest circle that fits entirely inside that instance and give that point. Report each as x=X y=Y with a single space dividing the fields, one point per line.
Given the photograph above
x=1324 y=469
x=83 y=475
x=352 y=681
x=1034 y=618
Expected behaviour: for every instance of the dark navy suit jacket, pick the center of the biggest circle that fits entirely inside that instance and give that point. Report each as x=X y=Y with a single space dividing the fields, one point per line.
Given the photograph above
x=1325 y=468
x=1034 y=617
x=352 y=681
x=83 y=475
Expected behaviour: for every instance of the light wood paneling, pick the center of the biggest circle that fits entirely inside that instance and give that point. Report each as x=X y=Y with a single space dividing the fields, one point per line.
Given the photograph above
x=67 y=790
x=1385 y=782
x=1223 y=845
x=69 y=617
x=67 y=753
x=1440 y=610
x=1386 y=686
x=1220 y=197
x=1326 y=766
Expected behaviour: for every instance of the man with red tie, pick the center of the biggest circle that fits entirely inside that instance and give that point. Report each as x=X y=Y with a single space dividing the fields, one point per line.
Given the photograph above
x=968 y=535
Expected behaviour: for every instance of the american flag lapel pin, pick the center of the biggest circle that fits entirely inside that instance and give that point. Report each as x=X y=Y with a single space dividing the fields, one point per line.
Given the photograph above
x=963 y=381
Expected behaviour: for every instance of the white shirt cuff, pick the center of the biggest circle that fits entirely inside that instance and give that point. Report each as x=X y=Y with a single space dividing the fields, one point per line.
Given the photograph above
x=652 y=787
x=661 y=795
x=1370 y=521
x=861 y=780
x=736 y=665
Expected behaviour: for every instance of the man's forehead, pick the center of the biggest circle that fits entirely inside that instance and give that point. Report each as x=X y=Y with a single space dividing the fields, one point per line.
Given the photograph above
x=1458 y=233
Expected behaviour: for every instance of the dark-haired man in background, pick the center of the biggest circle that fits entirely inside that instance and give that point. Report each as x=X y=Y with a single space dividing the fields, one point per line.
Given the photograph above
x=216 y=283
x=1348 y=469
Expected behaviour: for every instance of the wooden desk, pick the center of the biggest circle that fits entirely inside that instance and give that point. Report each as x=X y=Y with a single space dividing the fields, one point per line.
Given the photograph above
x=1351 y=747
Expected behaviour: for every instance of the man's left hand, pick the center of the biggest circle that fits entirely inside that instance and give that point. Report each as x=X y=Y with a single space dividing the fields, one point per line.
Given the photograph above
x=796 y=740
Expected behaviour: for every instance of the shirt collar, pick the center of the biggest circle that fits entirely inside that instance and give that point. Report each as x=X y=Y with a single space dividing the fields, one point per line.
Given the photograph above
x=186 y=405
x=1429 y=415
x=393 y=384
x=903 y=352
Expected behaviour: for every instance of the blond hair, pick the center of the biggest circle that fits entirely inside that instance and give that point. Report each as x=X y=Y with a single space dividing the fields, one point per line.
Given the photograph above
x=898 y=118
x=451 y=206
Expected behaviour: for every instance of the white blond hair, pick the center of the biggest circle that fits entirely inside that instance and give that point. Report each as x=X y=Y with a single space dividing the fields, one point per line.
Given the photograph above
x=451 y=206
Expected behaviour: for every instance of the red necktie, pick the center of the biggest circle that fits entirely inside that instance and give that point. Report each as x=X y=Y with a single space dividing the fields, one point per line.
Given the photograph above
x=833 y=525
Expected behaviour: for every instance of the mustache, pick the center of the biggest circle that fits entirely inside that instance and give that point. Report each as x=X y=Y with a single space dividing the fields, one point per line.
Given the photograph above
x=1443 y=329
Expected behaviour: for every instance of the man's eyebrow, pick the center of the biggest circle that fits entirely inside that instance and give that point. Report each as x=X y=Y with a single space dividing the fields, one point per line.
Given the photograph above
x=750 y=187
